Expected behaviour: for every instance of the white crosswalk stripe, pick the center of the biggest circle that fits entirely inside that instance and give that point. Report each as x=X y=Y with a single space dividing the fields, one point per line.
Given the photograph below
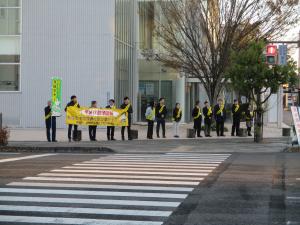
x=119 y=189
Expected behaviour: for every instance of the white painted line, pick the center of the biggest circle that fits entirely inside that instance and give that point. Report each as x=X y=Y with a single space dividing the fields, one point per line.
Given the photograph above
x=135 y=168
x=72 y=221
x=131 y=172
x=297 y=178
x=89 y=201
x=25 y=157
x=293 y=198
x=123 y=212
x=66 y=179
x=95 y=186
x=92 y=193
x=168 y=157
x=145 y=164
x=150 y=177
x=196 y=154
x=160 y=161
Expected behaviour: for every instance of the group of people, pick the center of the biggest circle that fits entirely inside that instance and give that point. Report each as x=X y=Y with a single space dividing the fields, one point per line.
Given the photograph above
x=158 y=113
x=51 y=121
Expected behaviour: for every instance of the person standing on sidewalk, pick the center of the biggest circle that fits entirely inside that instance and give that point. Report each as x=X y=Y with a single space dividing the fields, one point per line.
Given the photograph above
x=150 y=117
x=73 y=102
x=207 y=113
x=236 y=118
x=111 y=129
x=249 y=118
x=50 y=123
x=197 y=115
x=161 y=113
x=93 y=128
x=177 y=115
x=128 y=108
x=220 y=117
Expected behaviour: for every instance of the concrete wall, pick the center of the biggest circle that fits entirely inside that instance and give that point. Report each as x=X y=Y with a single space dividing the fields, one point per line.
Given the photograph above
x=72 y=39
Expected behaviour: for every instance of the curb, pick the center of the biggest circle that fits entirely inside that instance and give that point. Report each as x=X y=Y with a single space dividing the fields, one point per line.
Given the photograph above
x=31 y=149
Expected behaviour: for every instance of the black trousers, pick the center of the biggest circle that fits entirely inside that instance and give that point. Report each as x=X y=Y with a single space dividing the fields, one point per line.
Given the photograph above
x=70 y=130
x=161 y=122
x=51 y=124
x=92 y=132
x=110 y=132
x=207 y=127
x=235 y=126
x=150 y=129
x=197 y=127
x=128 y=132
x=220 y=128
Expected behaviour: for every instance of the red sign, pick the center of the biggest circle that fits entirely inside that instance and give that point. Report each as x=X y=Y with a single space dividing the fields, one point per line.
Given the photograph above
x=272 y=50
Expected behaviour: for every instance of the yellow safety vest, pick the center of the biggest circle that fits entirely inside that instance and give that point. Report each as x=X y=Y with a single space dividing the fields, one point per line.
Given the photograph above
x=178 y=114
x=237 y=107
x=127 y=108
x=48 y=116
x=113 y=107
x=199 y=114
x=221 y=109
x=161 y=109
x=151 y=116
x=209 y=112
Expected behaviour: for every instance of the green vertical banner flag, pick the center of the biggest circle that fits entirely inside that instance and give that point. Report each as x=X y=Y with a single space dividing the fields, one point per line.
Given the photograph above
x=56 y=89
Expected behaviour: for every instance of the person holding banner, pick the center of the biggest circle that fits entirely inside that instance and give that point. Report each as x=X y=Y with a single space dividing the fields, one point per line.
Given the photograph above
x=111 y=129
x=177 y=115
x=236 y=118
x=220 y=117
x=128 y=109
x=161 y=113
x=197 y=115
x=93 y=129
x=150 y=117
x=73 y=102
x=50 y=123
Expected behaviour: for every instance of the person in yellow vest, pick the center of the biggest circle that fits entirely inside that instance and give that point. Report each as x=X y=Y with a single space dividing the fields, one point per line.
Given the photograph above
x=150 y=117
x=207 y=113
x=50 y=123
x=73 y=102
x=93 y=128
x=161 y=114
x=220 y=117
x=249 y=119
x=126 y=105
x=197 y=115
x=236 y=118
x=111 y=129
x=177 y=115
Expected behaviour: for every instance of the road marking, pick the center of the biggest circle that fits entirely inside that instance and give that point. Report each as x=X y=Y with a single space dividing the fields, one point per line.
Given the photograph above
x=132 y=172
x=135 y=168
x=152 y=177
x=123 y=212
x=168 y=158
x=66 y=179
x=25 y=157
x=89 y=201
x=161 y=161
x=73 y=221
x=297 y=178
x=165 y=165
x=93 y=193
x=95 y=186
x=292 y=198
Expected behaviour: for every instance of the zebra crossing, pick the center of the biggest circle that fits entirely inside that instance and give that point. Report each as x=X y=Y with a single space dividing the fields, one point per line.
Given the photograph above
x=119 y=189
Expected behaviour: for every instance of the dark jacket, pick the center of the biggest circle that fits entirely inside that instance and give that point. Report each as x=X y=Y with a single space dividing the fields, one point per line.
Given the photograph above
x=207 y=118
x=109 y=107
x=162 y=114
x=195 y=112
x=236 y=112
x=47 y=111
x=219 y=116
x=175 y=114
x=71 y=103
x=129 y=111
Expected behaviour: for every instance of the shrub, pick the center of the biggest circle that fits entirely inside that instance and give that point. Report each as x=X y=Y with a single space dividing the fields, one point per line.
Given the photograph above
x=4 y=135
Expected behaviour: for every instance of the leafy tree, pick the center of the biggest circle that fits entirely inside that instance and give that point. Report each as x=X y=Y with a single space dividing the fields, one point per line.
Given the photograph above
x=251 y=76
x=196 y=36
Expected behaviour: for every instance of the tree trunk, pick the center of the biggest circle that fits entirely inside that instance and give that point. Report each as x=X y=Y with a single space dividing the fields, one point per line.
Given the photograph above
x=258 y=121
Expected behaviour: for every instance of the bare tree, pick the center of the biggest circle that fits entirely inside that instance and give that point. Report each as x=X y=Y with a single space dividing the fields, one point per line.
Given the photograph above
x=197 y=36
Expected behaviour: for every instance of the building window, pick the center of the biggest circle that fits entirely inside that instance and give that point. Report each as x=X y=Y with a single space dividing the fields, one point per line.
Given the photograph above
x=10 y=31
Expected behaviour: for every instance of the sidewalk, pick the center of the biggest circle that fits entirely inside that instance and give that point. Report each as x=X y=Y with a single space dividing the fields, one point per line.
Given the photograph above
x=38 y=134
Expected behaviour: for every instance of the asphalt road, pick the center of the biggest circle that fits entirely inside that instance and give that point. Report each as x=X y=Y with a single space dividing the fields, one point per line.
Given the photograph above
x=168 y=187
